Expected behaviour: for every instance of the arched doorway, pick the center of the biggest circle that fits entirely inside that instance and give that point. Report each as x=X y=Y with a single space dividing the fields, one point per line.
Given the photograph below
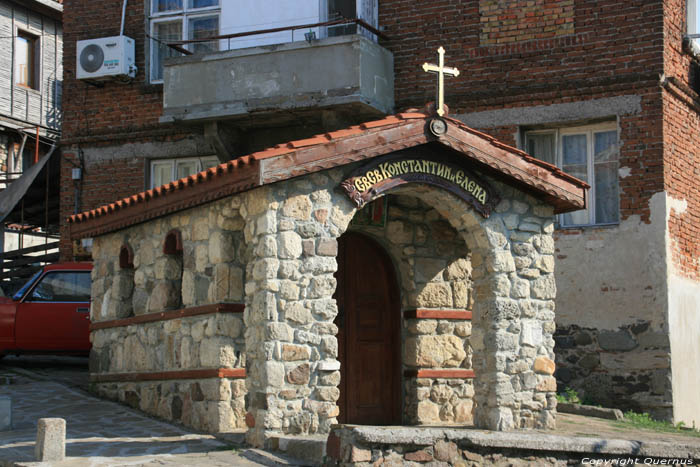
x=368 y=333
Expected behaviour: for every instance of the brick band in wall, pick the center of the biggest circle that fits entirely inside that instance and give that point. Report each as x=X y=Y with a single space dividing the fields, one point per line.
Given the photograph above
x=167 y=315
x=455 y=373
x=234 y=373
x=437 y=314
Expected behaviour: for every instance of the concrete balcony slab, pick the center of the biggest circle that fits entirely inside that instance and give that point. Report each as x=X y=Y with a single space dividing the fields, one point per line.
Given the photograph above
x=285 y=82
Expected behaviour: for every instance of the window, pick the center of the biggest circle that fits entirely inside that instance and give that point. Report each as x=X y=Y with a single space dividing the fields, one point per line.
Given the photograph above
x=694 y=24
x=589 y=153
x=175 y=20
x=27 y=60
x=62 y=287
x=167 y=170
x=341 y=9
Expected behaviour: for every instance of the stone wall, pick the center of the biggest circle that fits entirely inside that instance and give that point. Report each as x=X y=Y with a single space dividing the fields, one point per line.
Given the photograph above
x=282 y=241
x=291 y=230
x=414 y=446
x=206 y=267
x=601 y=365
x=214 y=405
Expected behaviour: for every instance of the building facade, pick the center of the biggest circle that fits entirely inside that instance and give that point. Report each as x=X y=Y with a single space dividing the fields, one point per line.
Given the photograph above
x=31 y=78
x=607 y=91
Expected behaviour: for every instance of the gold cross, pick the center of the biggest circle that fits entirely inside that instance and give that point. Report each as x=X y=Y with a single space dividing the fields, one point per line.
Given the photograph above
x=441 y=71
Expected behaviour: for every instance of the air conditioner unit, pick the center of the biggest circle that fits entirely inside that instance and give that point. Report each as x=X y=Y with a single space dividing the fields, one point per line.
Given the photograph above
x=106 y=57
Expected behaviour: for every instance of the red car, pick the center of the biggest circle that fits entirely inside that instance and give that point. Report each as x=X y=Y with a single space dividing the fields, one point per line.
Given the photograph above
x=50 y=314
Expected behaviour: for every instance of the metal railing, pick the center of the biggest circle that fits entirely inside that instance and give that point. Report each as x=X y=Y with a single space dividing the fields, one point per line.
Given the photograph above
x=178 y=45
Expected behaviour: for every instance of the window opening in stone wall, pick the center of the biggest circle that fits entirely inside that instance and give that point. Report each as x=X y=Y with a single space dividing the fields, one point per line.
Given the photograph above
x=167 y=292
x=590 y=153
x=173 y=243
x=27 y=60
x=167 y=170
x=176 y=20
x=126 y=257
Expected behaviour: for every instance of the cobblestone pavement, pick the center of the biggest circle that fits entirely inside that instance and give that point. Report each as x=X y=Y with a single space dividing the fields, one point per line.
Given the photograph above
x=100 y=432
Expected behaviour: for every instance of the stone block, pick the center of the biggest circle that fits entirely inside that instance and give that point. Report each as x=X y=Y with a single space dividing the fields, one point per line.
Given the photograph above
x=399 y=232
x=289 y=245
x=291 y=352
x=434 y=295
x=544 y=366
x=327 y=247
x=300 y=374
x=616 y=340
x=50 y=440
x=297 y=207
x=5 y=413
x=429 y=269
x=360 y=455
x=427 y=412
x=443 y=351
x=544 y=287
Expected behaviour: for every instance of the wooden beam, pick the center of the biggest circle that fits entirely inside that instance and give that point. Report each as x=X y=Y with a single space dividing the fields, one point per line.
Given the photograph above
x=453 y=373
x=233 y=373
x=168 y=315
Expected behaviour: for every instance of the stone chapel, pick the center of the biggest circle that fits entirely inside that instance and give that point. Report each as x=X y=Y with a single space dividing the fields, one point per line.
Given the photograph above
x=397 y=272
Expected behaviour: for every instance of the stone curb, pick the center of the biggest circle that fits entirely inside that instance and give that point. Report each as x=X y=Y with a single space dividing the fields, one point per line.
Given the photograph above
x=531 y=441
x=590 y=411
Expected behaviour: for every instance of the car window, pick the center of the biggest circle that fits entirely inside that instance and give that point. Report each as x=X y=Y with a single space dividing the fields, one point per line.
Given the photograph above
x=62 y=287
x=18 y=295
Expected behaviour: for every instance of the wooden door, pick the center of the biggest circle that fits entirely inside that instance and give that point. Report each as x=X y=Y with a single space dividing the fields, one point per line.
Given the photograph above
x=368 y=337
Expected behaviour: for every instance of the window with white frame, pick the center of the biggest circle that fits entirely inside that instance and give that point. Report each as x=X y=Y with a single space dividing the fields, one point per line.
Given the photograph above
x=176 y=20
x=589 y=153
x=167 y=170
x=694 y=23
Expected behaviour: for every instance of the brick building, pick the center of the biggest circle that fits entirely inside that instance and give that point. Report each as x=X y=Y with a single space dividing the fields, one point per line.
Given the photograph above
x=608 y=91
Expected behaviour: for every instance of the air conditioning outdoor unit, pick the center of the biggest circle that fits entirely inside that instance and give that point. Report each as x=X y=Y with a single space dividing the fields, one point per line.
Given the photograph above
x=106 y=57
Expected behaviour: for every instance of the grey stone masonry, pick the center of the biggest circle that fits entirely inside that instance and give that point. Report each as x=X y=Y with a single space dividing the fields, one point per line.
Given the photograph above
x=291 y=229
x=207 y=269
x=274 y=248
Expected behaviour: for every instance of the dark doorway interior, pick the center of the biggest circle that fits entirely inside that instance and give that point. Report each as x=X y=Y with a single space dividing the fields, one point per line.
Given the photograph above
x=368 y=335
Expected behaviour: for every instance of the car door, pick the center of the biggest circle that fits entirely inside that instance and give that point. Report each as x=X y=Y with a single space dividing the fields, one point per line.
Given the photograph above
x=54 y=314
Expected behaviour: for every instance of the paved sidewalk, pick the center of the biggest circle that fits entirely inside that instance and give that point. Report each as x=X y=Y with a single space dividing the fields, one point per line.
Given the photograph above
x=104 y=433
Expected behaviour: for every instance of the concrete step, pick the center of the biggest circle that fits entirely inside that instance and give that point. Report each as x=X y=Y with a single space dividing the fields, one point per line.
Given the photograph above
x=311 y=449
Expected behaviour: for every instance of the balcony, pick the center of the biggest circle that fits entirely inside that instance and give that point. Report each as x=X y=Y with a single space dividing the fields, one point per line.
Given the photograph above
x=280 y=84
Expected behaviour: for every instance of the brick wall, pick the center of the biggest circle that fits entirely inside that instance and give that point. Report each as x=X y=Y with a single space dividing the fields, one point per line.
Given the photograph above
x=101 y=184
x=505 y=21
x=113 y=108
x=681 y=108
x=615 y=42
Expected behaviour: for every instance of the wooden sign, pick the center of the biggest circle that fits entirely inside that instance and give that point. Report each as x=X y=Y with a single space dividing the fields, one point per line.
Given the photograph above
x=391 y=171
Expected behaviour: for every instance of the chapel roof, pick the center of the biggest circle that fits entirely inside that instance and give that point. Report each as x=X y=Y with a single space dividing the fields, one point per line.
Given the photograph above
x=325 y=151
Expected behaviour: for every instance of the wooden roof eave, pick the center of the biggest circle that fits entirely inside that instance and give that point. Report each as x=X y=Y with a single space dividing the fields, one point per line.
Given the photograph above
x=243 y=178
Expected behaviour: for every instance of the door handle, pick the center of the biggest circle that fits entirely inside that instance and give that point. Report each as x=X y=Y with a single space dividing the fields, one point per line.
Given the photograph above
x=83 y=310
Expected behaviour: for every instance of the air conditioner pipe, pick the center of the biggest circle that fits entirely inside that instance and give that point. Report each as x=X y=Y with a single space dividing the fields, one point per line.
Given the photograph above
x=121 y=31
